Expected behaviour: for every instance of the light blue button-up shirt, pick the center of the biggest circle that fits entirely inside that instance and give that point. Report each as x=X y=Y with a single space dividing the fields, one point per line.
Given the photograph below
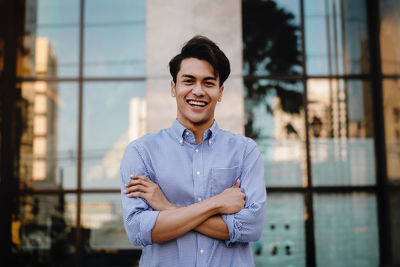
x=188 y=172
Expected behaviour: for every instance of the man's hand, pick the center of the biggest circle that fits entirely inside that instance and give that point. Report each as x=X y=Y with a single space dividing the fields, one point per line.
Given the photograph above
x=232 y=199
x=143 y=187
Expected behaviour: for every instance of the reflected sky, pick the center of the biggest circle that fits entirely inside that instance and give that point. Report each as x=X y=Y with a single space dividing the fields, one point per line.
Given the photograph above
x=107 y=114
x=114 y=36
x=336 y=42
x=59 y=21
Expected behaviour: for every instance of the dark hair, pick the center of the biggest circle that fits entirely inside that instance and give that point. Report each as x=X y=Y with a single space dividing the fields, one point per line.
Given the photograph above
x=202 y=48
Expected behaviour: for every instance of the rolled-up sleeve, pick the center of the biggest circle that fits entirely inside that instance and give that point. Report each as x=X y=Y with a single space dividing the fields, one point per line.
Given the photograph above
x=139 y=217
x=247 y=224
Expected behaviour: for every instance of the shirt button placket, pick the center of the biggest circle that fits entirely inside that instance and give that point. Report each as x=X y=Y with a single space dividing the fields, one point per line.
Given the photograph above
x=199 y=176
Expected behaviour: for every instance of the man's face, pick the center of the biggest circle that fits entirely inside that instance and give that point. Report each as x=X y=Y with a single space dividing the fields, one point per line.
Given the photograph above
x=197 y=92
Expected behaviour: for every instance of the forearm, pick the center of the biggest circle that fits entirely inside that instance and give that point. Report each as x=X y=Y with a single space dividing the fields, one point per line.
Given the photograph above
x=214 y=227
x=172 y=223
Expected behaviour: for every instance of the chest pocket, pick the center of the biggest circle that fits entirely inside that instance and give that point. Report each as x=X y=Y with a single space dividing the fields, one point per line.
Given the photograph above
x=223 y=178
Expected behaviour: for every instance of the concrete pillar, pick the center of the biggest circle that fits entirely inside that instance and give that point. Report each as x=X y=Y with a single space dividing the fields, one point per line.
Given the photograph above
x=171 y=23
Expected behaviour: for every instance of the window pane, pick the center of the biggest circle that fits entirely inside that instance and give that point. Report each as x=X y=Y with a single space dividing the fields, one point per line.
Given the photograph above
x=336 y=37
x=43 y=230
x=114 y=113
x=51 y=40
x=391 y=107
x=102 y=222
x=394 y=202
x=271 y=50
x=283 y=239
x=390 y=36
x=341 y=132
x=346 y=230
x=48 y=144
x=114 y=38
x=275 y=120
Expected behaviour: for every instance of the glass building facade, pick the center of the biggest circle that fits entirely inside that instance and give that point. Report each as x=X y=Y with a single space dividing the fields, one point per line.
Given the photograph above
x=319 y=93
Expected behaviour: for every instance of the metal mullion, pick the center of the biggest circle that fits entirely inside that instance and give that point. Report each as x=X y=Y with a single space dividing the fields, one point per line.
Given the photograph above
x=383 y=209
x=308 y=197
x=342 y=76
x=78 y=79
x=68 y=191
x=12 y=15
x=345 y=189
x=325 y=189
x=112 y=79
x=285 y=189
x=274 y=77
x=78 y=241
x=299 y=77
x=393 y=76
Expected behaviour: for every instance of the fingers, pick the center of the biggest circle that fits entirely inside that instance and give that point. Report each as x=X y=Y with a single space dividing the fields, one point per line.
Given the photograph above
x=134 y=188
x=138 y=179
x=237 y=184
x=136 y=194
x=144 y=179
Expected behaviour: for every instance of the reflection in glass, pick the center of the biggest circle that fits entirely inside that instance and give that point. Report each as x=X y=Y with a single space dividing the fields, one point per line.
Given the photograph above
x=275 y=120
x=283 y=239
x=101 y=220
x=48 y=145
x=114 y=113
x=390 y=36
x=346 y=230
x=336 y=37
x=43 y=230
x=114 y=38
x=51 y=40
x=341 y=132
x=391 y=107
x=275 y=48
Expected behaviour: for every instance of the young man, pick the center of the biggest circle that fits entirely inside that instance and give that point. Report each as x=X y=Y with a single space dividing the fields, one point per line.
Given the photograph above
x=193 y=194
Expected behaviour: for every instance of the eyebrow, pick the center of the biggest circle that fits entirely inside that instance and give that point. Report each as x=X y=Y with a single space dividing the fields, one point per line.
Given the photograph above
x=192 y=77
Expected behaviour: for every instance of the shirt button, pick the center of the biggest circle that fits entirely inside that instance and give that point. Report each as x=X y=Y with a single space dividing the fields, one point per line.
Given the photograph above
x=198 y=173
x=199 y=199
x=187 y=133
x=201 y=251
x=210 y=142
x=197 y=150
x=180 y=141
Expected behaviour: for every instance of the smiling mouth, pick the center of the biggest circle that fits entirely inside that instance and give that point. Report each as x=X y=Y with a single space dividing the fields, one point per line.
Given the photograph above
x=197 y=103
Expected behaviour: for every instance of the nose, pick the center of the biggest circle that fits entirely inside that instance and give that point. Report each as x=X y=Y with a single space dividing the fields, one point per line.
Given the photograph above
x=198 y=89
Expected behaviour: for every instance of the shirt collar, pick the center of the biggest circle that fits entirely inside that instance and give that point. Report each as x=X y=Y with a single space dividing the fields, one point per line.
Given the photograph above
x=178 y=129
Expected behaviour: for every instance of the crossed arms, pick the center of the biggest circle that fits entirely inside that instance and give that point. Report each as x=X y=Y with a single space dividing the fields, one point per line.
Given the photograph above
x=235 y=215
x=174 y=221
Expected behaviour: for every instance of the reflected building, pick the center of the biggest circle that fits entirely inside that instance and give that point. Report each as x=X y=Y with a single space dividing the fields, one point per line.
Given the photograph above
x=137 y=118
x=38 y=162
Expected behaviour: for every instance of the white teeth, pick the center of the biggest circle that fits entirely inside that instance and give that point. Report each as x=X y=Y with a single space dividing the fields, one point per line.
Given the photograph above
x=191 y=102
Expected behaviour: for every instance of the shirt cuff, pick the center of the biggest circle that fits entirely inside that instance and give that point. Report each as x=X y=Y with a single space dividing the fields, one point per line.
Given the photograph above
x=146 y=226
x=233 y=229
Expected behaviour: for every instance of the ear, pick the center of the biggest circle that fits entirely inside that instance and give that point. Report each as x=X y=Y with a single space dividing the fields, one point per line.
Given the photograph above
x=221 y=90
x=173 y=93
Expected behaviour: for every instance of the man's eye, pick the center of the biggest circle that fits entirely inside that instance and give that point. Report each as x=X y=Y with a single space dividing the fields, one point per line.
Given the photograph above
x=210 y=84
x=187 y=81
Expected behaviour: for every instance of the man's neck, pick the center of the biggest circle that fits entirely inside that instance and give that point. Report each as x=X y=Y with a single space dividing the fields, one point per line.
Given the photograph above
x=198 y=129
